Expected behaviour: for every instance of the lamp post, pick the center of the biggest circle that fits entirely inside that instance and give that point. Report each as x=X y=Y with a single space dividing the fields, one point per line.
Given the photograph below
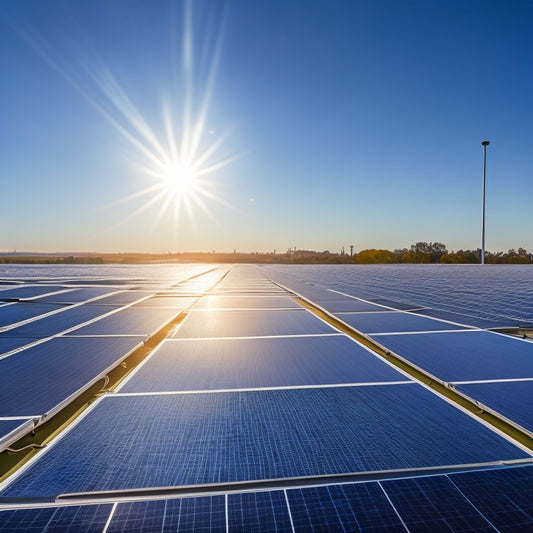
x=484 y=144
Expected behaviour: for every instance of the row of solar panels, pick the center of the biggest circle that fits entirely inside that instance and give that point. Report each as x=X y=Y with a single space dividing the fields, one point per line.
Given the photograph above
x=490 y=500
x=51 y=359
x=492 y=296
x=494 y=369
x=253 y=388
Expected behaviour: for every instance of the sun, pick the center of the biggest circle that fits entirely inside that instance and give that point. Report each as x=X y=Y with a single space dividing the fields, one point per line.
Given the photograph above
x=180 y=180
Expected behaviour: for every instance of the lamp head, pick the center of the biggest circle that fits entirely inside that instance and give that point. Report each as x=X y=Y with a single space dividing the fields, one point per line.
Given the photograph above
x=485 y=143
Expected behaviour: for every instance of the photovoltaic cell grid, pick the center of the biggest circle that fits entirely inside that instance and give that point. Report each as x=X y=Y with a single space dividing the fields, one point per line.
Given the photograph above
x=235 y=288
x=130 y=321
x=489 y=500
x=249 y=323
x=36 y=380
x=392 y=322
x=254 y=435
x=181 y=365
x=17 y=312
x=513 y=399
x=489 y=296
x=465 y=356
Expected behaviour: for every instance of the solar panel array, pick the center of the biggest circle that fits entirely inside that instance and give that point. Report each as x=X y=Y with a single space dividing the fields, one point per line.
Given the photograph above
x=488 y=297
x=59 y=337
x=495 y=370
x=255 y=414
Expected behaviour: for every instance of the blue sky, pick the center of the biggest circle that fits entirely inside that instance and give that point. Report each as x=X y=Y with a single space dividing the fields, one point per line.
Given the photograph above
x=319 y=124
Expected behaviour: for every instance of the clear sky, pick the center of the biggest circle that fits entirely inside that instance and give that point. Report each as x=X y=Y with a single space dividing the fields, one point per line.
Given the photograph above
x=133 y=125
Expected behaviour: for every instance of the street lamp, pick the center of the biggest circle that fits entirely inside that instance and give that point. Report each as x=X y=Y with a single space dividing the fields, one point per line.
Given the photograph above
x=484 y=144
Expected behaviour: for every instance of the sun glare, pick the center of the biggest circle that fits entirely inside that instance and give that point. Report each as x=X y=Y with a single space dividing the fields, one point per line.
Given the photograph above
x=179 y=180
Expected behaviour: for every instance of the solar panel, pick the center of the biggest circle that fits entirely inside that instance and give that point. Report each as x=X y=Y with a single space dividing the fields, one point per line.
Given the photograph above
x=28 y=291
x=503 y=496
x=465 y=356
x=7 y=344
x=59 y=322
x=259 y=511
x=245 y=302
x=10 y=430
x=202 y=514
x=361 y=507
x=36 y=380
x=130 y=321
x=17 y=312
x=124 y=297
x=178 y=302
x=76 y=295
x=25 y=520
x=266 y=362
x=86 y=518
x=512 y=399
x=392 y=322
x=434 y=504
x=168 y=440
x=349 y=305
x=250 y=323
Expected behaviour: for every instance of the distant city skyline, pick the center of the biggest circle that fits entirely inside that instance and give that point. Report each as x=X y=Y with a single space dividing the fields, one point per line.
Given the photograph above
x=259 y=125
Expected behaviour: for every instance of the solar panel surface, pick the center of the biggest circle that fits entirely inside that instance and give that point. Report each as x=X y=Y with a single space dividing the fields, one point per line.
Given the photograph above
x=512 y=399
x=252 y=363
x=249 y=323
x=465 y=356
x=238 y=436
x=37 y=379
x=130 y=321
x=392 y=322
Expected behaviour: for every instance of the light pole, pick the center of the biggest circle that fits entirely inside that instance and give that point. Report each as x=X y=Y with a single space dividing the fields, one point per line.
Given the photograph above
x=484 y=144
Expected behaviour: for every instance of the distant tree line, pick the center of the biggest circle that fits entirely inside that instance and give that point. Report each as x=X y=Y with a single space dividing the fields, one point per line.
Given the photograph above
x=421 y=252
x=436 y=252
x=69 y=260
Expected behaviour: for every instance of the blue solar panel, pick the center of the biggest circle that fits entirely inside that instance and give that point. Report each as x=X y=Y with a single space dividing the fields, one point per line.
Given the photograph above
x=123 y=297
x=28 y=291
x=25 y=520
x=130 y=321
x=141 y=517
x=490 y=293
x=35 y=380
x=76 y=295
x=86 y=518
x=465 y=356
x=17 y=312
x=52 y=325
x=167 y=440
x=246 y=302
x=486 y=323
x=251 y=323
x=253 y=363
x=355 y=507
x=513 y=400
x=503 y=496
x=259 y=511
x=392 y=322
x=176 y=302
x=8 y=427
x=349 y=305
x=434 y=504
x=8 y=344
